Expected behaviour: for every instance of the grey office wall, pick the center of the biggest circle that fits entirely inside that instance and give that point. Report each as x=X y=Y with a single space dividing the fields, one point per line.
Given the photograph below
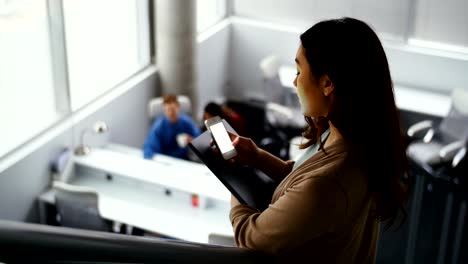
x=24 y=181
x=213 y=66
x=390 y=17
x=250 y=42
x=414 y=68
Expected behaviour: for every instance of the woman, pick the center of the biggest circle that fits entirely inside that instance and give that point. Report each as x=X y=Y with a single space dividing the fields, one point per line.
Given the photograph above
x=328 y=206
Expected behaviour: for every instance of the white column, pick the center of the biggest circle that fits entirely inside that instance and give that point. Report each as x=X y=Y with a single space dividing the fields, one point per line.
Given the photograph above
x=176 y=54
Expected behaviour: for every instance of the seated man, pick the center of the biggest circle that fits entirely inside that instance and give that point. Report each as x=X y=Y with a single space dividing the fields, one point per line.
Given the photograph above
x=171 y=132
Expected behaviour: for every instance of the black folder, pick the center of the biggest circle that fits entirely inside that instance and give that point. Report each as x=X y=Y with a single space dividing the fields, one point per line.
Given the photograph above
x=250 y=186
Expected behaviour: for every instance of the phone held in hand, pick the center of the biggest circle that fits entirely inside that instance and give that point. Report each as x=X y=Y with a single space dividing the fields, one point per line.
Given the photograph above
x=221 y=137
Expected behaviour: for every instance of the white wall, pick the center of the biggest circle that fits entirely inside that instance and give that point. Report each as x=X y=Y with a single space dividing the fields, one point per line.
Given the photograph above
x=425 y=69
x=390 y=17
x=442 y=21
x=274 y=27
x=413 y=67
x=250 y=42
x=213 y=65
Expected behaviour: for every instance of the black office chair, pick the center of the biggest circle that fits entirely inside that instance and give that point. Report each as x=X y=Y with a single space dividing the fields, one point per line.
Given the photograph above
x=435 y=147
x=438 y=159
x=438 y=224
x=258 y=127
x=77 y=207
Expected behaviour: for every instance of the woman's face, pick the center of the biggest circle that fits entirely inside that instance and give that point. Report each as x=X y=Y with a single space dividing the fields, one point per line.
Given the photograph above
x=314 y=93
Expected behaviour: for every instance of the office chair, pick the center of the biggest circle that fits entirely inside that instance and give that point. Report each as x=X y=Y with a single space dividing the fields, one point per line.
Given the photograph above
x=77 y=207
x=439 y=145
x=437 y=156
x=274 y=90
x=258 y=127
x=155 y=106
x=282 y=104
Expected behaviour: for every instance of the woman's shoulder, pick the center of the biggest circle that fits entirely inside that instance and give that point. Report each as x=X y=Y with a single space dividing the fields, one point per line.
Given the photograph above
x=335 y=165
x=324 y=161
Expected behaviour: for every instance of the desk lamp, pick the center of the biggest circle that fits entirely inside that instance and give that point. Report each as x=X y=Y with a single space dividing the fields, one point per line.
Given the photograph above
x=99 y=127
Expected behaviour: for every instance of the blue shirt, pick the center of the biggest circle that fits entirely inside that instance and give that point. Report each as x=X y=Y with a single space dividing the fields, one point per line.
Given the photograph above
x=163 y=134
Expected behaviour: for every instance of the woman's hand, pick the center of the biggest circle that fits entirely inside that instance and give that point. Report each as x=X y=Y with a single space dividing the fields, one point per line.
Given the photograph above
x=247 y=150
x=234 y=201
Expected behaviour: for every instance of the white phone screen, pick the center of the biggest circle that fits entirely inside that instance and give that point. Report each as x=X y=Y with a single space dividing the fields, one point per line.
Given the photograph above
x=221 y=136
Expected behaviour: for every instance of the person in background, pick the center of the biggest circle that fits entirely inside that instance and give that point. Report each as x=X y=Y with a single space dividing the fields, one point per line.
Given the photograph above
x=171 y=132
x=213 y=109
x=234 y=119
x=328 y=206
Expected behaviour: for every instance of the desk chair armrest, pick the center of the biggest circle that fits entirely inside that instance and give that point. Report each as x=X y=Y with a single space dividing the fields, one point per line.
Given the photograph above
x=424 y=125
x=448 y=151
x=461 y=154
x=72 y=188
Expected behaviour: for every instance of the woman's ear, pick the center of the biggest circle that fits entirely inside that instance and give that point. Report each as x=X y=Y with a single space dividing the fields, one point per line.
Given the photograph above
x=327 y=85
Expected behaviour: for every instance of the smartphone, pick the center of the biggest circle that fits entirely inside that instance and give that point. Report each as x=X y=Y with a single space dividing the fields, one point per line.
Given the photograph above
x=221 y=137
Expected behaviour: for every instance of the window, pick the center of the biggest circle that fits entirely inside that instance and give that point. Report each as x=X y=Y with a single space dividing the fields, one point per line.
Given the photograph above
x=209 y=12
x=442 y=22
x=57 y=56
x=441 y=25
x=107 y=42
x=27 y=93
x=389 y=17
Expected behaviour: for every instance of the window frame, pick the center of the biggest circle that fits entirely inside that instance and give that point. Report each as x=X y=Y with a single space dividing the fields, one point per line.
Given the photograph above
x=67 y=118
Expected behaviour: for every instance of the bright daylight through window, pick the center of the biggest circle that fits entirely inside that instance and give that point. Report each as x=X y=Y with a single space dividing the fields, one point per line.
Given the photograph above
x=27 y=95
x=107 y=47
x=57 y=56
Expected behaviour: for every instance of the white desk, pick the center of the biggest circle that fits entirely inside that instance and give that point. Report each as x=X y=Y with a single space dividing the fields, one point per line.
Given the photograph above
x=172 y=173
x=406 y=98
x=136 y=194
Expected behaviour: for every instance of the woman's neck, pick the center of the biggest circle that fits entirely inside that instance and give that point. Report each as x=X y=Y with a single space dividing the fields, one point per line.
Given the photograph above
x=333 y=136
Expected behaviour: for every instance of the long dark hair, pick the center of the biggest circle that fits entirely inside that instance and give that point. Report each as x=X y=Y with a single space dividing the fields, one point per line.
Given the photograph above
x=363 y=110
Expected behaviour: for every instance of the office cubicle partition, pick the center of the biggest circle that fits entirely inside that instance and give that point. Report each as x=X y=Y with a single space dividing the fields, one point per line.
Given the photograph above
x=34 y=243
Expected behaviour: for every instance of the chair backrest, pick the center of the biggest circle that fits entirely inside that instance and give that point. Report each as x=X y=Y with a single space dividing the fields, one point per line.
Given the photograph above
x=155 y=106
x=274 y=90
x=455 y=124
x=77 y=207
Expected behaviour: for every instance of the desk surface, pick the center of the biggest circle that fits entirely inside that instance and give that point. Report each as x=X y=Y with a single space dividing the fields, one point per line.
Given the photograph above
x=406 y=98
x=145 y=207
x=174 y=173
x=136 y=194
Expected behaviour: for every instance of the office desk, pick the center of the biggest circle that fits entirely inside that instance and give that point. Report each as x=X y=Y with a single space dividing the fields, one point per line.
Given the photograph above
x=406 y=98
x=134 y=191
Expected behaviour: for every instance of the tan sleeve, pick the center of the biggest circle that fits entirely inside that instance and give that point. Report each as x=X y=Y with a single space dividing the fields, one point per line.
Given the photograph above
x=273 y=166
x=302 y=214
x=278 y=174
